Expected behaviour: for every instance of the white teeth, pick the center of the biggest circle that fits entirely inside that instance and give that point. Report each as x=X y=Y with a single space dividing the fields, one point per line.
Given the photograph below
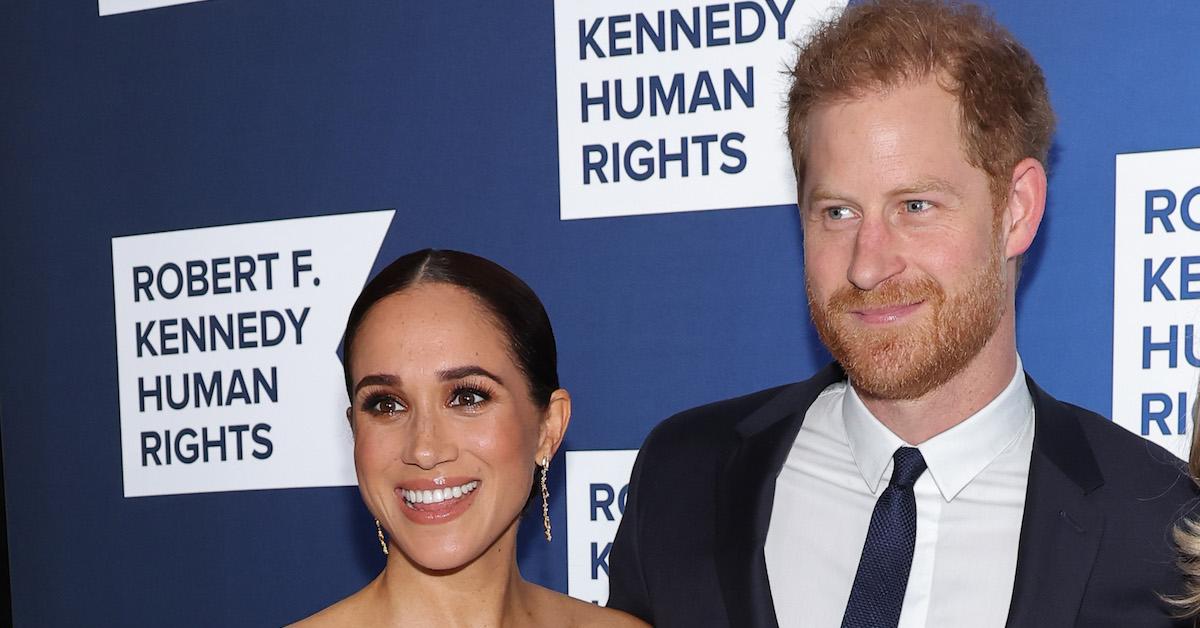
x=438 y=495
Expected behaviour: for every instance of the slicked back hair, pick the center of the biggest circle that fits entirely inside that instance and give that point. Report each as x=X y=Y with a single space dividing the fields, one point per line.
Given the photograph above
x=513 y=305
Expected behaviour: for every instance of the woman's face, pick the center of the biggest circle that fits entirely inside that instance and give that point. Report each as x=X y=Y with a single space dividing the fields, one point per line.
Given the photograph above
x=446 y=435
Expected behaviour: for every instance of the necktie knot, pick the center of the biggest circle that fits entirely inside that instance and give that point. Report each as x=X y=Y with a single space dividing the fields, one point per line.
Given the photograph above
x=907 y=466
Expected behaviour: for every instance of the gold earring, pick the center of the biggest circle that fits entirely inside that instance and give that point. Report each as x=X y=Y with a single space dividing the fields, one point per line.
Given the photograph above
x=545 y=498
x=379 y=535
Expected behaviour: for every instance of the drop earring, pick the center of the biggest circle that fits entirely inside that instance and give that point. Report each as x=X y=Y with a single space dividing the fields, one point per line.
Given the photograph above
x=379 y=534
x=545 y=498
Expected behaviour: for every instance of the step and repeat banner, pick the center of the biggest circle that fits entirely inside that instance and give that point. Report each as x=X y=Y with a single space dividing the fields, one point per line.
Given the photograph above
x=194 y=192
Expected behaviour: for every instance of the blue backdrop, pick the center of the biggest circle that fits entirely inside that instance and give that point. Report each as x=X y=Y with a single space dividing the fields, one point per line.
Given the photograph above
x=231 y=111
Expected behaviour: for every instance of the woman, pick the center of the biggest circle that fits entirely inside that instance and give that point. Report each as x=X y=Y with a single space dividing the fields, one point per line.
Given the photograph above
x=1187 y=534
x=456 y=412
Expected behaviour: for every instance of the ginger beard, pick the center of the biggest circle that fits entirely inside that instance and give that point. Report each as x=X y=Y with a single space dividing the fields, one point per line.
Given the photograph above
x=911 y=358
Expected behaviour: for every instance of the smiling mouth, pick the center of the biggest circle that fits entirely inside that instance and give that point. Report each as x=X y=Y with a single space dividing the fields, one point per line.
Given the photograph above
x=414 y=497
x=886 y=314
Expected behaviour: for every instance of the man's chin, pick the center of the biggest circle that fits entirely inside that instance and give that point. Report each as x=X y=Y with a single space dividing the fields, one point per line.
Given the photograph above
x=891 y=386
x=888 y=372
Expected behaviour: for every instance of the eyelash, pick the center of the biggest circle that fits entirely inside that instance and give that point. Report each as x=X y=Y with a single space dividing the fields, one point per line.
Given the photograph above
x=474 y=388
x=478 y=389
x=371 y=401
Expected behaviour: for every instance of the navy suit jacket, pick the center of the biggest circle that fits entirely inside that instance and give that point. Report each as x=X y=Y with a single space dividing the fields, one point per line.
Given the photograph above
x=1095 y=546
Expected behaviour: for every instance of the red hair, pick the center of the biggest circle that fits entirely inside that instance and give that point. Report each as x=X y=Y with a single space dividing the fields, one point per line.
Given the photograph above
x=1001 y=92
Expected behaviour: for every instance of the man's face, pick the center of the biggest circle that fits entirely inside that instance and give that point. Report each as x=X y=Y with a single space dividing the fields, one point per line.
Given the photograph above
x=902 y=250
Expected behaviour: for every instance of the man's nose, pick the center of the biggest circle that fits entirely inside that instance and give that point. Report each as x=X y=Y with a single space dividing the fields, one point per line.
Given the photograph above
x=877 y=256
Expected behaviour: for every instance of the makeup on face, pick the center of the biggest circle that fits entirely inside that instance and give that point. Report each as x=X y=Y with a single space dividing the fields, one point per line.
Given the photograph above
x=446 y=433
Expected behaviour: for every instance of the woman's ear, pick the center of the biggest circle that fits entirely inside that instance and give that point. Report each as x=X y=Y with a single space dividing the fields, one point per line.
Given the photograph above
x=554 y=424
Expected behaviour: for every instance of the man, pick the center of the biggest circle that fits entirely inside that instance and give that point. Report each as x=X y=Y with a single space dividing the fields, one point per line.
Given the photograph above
x=923 y=479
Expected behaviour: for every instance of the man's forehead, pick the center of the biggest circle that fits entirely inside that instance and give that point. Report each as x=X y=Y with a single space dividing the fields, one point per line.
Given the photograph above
x=887 y=123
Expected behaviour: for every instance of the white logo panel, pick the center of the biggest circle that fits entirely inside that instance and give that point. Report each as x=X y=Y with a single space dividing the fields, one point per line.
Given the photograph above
x=227 y=361
x=113 y=7
x=1156 y=294
x=597 y=486
x=675 y=105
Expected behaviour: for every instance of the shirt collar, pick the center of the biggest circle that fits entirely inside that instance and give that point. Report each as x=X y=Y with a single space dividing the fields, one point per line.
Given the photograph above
x=954 y=457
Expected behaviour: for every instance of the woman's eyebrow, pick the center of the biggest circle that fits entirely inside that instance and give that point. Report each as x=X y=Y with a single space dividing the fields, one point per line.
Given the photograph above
x=376 y=379
x=460 y=372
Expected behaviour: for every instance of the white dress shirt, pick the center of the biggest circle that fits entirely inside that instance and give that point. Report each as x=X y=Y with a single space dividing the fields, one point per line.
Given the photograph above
x=969 y=507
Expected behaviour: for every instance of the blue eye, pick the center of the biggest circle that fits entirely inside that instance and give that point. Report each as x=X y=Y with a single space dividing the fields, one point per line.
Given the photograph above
x=839 y=212
x=917 y=206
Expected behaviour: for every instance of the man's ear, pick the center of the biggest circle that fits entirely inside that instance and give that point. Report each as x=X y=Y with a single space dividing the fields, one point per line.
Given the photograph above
x=1026 y=206
x=554 y=424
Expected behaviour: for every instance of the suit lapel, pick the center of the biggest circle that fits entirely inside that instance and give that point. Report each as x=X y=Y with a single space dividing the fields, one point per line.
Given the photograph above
x=745 y=496
x=1061 y=529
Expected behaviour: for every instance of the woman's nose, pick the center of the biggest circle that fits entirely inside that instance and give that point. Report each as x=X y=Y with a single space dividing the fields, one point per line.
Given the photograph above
x=428 y=443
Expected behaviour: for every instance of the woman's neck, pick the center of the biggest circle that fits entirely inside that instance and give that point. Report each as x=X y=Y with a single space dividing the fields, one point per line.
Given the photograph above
x=488 y=591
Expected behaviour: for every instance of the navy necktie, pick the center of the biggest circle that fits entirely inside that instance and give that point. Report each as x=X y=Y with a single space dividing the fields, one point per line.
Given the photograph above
x=878 y=591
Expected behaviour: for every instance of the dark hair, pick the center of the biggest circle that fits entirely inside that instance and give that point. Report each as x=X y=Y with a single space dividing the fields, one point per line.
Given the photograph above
x=513 y=305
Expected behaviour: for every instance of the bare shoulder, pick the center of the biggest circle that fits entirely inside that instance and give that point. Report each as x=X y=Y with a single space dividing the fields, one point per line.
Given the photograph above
x=578 y=613
x=349 y=612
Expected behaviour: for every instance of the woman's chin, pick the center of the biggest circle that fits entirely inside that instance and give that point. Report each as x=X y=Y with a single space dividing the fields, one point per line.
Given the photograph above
x=440 y=564
x=441 y=555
